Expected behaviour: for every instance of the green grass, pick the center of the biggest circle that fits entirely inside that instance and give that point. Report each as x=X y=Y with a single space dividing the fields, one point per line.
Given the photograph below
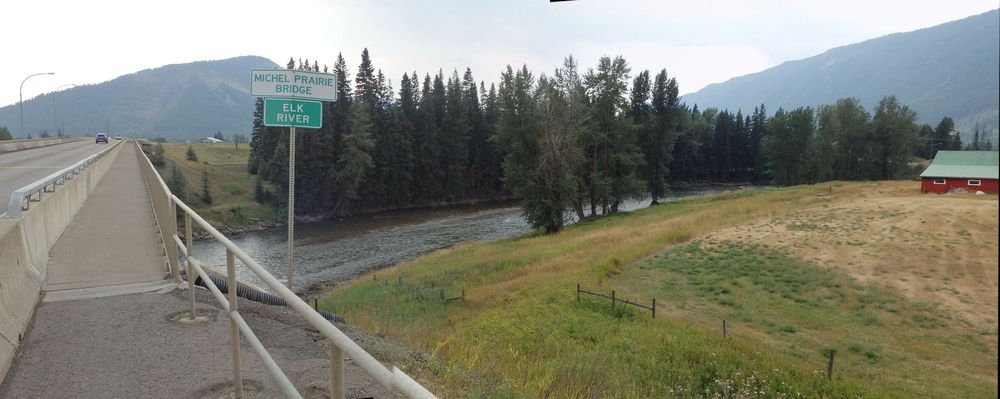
x=800 y=309
x=232 y=188
x=521 y=332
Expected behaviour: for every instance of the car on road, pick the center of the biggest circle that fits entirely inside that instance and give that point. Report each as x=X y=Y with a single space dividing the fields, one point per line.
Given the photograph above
x=101 y=137
x=118 y=137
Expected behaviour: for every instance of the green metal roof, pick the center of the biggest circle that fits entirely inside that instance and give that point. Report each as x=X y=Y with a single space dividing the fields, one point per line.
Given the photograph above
x=964 y=164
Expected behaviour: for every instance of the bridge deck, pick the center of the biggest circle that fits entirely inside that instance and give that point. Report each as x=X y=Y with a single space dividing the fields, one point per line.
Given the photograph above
x=95 y=337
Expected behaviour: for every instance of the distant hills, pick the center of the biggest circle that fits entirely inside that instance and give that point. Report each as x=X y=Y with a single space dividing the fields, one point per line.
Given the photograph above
x=178 y=101
x=947 y=70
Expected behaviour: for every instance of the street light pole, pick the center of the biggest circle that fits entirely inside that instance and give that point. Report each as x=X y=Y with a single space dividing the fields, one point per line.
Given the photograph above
x=20 y=97
x=55 y=120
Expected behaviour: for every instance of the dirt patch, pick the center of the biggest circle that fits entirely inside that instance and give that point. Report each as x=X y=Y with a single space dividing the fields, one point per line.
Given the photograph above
x=938 y=249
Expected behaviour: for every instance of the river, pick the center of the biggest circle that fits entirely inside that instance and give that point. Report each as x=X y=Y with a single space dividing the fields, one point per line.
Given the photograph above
x=334 y=251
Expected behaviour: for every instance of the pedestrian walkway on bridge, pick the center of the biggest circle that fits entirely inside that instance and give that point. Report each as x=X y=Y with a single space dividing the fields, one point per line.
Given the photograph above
x=108 y=323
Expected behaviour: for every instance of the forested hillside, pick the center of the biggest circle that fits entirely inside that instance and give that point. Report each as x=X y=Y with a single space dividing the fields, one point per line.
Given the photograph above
x=570 y=142
x=946 y=70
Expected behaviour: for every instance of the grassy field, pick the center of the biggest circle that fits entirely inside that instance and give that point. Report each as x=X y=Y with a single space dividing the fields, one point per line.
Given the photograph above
x=521 y=332
x=232 y=188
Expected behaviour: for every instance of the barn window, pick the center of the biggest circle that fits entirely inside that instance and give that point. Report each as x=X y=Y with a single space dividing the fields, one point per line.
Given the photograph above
x=975 y=182
x=938 y=181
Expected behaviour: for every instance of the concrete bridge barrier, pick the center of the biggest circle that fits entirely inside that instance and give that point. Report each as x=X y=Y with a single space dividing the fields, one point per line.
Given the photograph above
x=15 y=145
x=24 y=251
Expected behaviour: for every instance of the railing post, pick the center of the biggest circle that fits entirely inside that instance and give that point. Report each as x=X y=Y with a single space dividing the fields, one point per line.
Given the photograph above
x=190 y=269
x=612 y=300
x=233 y=328
x=168 y=240
x=654 y=308
x=336 y=372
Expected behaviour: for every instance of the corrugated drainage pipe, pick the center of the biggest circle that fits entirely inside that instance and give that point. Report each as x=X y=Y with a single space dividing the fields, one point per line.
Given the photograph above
x=253 y=294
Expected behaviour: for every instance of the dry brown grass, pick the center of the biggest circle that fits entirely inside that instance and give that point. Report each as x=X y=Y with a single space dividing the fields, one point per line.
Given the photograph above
x=938 y=249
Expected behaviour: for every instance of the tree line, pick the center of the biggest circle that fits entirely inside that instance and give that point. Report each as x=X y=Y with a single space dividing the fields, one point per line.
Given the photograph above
x=570 y=143
x=427 y=143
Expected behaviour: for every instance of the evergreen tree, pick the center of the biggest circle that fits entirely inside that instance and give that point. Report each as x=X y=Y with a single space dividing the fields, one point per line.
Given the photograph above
x=191 y=155
x=942 y=138
x=491 y=159
x=177 y=183
x=975 y=145
x=426 y=146
x=480 y=152
x=454 y=140
x=758 y=131
x=686 y=157
x=405 y=121
x=659 y=146
x=5 y=134
x=218 y=136
x=356 y=160
x=206 y=194
x=256 y=136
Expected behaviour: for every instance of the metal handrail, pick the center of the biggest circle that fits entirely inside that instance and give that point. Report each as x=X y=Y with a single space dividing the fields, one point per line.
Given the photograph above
x=342 y=344
x=20 y=198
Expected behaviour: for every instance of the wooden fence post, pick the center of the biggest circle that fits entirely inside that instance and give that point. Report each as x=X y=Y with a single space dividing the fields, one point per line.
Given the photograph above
x=442 y=295
x=653 y=311
x=724 y=332
x=612 y=300
x=578 y=292
x=829 y=366
x=463 y=295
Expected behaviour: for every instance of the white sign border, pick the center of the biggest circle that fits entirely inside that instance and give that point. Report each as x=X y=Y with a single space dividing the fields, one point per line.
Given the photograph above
x=294 y=71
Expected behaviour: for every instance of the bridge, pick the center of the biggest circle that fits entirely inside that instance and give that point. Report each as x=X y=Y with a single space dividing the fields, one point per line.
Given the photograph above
x=101 y=294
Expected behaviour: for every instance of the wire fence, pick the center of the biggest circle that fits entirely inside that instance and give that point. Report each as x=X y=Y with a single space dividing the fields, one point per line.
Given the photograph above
x=422 y=292
x=830 y=353
x=615 y=299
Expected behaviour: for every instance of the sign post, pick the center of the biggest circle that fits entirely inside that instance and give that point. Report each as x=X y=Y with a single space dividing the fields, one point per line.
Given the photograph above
x=282 y=90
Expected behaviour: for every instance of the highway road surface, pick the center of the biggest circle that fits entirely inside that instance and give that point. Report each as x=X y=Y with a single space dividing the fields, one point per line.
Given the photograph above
x=19 y=168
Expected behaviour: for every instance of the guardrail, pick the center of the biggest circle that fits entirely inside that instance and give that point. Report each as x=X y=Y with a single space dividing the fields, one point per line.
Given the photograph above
x=22 y=197
x=165 y=208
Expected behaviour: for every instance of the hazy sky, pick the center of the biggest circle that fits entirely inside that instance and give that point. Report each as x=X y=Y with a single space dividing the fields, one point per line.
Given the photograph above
x=698 y=42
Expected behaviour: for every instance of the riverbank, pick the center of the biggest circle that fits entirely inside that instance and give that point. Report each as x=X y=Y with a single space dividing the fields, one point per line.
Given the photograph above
x=769 y=262
x=329 y=252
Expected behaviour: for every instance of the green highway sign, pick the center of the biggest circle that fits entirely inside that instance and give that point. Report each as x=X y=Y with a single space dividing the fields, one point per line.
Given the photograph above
x=286 y=112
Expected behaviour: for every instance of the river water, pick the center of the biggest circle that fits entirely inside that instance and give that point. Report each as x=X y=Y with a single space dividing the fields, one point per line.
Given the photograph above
x=334 y=251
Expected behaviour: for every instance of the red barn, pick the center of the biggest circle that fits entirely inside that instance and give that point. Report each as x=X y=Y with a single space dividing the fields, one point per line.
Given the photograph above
x=969 y=170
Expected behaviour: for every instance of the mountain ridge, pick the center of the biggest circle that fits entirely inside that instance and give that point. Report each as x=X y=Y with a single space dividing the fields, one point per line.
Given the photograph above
x=949 y=69
x=179 y=101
